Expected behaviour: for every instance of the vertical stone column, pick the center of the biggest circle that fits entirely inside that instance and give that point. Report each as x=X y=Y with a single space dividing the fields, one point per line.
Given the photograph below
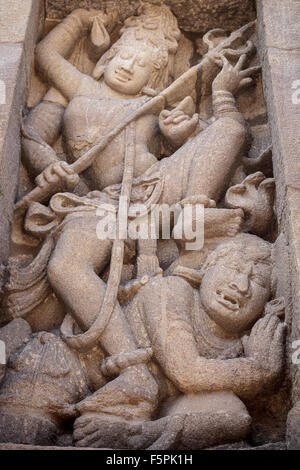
x=279 y=35
x=19 y=25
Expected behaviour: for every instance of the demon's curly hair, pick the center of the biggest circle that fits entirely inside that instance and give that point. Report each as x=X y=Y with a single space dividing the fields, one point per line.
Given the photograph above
x=251 y=247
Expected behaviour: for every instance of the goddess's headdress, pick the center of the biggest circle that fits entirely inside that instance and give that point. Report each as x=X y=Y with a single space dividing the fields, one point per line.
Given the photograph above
x=155 y=27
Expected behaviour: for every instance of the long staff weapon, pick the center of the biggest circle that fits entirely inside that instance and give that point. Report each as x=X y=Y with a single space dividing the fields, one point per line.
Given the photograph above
x=178 y=90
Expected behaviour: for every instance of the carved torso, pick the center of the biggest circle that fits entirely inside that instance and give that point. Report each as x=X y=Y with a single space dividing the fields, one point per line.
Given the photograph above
x=87 y=119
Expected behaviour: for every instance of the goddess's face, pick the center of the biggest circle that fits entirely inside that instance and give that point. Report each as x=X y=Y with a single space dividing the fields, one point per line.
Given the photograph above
x=235 y=291
x=129 y=71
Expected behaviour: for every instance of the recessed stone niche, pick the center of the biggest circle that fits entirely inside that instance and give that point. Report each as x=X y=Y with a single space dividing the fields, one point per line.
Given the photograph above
x=153 y=342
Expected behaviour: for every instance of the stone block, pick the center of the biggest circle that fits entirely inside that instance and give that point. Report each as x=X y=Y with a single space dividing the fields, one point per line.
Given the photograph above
x=19 y=27
x=14 y=19
x=279 y=34
x=12 y=74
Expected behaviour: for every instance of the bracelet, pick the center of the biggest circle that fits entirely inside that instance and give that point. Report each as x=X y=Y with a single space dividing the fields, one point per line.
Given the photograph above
x=222 y=93
x=223 y=102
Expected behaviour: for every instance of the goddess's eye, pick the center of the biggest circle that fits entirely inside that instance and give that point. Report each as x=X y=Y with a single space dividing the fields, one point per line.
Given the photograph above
x=125 y=55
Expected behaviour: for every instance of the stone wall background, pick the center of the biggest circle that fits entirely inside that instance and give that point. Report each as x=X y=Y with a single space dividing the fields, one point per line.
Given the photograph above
x=20 y=24
x=193 y=15
x=279 y=33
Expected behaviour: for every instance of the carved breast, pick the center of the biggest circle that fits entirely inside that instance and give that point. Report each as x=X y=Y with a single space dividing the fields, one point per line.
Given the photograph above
x=86 y=120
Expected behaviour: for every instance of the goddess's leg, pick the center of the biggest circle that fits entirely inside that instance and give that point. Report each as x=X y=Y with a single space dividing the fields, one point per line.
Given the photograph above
x=73 y=273
x=205 y=164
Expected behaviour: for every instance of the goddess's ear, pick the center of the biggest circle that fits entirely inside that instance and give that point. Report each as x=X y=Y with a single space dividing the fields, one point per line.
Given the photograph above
x=172 y=45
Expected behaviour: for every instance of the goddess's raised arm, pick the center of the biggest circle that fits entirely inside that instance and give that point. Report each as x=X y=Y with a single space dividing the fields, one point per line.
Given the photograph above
x=53 y=51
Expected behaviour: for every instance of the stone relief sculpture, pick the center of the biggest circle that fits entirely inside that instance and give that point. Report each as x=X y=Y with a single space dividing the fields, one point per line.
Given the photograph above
x=197 y=344
x=143 y=356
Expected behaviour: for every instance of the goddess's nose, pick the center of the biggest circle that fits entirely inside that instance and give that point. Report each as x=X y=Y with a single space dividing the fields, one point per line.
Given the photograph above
x=128 y=64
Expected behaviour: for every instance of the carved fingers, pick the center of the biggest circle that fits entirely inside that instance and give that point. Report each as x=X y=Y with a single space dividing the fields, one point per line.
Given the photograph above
x=102 y=430
x=255 y=195
x=88 y=17
x=100 y=40
x=266 y=345
x=246 y=76
x=220 y=223
x=87 y=431
x=232 y=78
x=177 y=125
x=275 y=331
x=58 y=174
x=99 y=16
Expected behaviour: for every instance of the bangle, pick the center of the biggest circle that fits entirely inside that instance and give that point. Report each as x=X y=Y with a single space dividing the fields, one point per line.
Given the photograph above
x=222 y=93
x=223 y=102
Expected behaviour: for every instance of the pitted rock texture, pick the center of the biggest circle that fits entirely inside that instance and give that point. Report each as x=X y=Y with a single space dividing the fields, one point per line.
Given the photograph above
x=193 y=15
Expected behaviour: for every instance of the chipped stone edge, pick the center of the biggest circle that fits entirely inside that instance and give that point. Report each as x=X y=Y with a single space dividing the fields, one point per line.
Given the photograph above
x=20 y=73
x=287 y=182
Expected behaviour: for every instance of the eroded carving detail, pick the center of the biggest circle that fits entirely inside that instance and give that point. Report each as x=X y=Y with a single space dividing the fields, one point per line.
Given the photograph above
x=167 y=354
